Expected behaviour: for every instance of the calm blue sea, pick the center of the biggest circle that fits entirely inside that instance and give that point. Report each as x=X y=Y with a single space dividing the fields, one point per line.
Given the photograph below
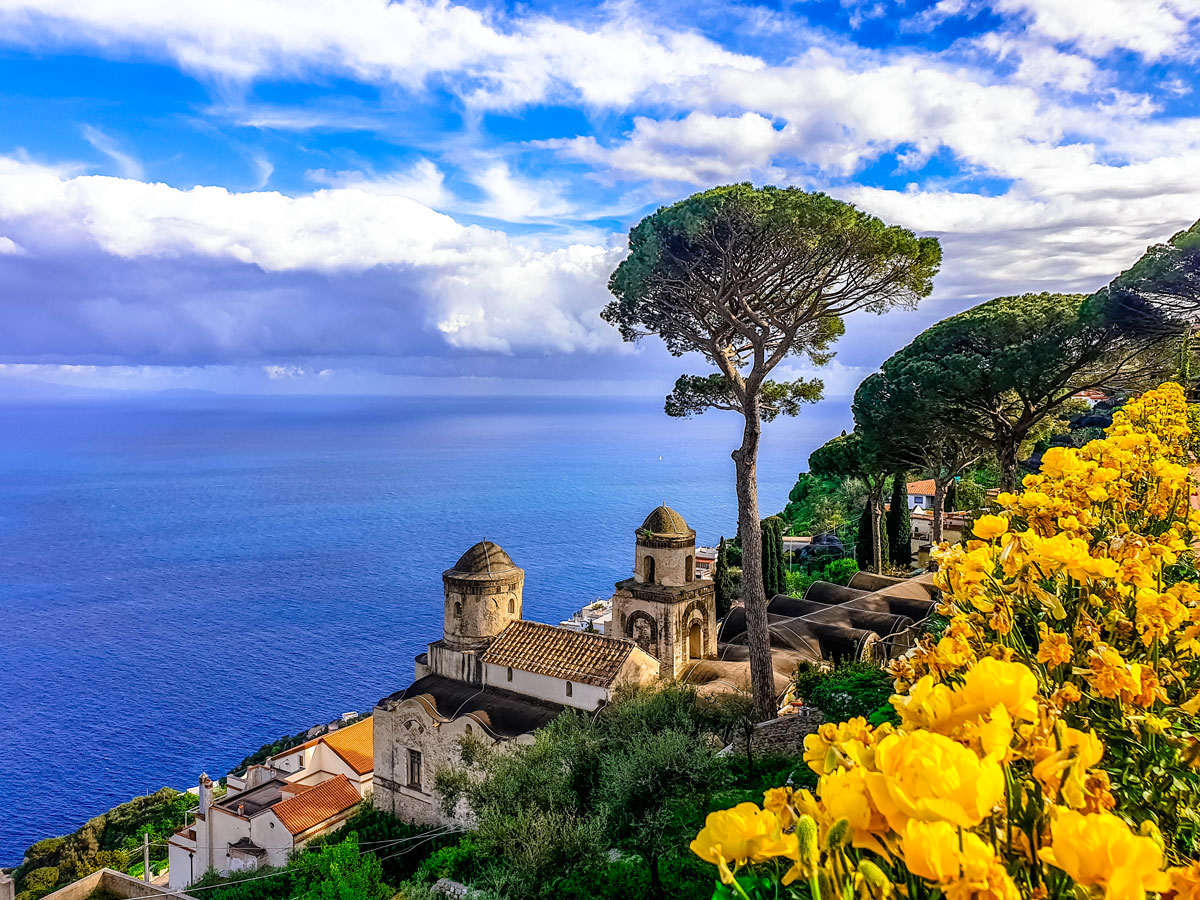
x=184 y=579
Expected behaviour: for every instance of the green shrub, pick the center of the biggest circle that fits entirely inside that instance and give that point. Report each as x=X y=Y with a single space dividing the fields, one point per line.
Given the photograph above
x=845 y=691
x=457 y=861
x=840 y=571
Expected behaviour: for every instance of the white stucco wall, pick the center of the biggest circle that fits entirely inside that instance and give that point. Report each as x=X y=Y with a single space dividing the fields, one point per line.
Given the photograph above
x=180 y=861
x=544 y=687
x=226 y=829
x=268 y=832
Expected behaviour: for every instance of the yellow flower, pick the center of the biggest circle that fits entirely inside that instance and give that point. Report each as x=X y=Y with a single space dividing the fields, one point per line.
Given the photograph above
x=834 y=745
x=779 y=801
x=1110 y=675
x=1099 y=850
x=926 y=705
x=1054 y=647
x=964 y=866
x=931 y=849
x=931 y=778
x=1185 y=881
x=1066 y=768
x=741 y=835
x=988 y=528
x=844 y=795
x=993 y=682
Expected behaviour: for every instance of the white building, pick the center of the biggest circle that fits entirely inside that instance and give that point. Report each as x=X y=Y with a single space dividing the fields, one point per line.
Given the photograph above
x=920 y=493
x=270 y=811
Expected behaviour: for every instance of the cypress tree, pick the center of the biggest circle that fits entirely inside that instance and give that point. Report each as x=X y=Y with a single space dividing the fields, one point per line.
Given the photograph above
x=723 y=581
x=781 y=568
x=899 y=524
x=774 y=569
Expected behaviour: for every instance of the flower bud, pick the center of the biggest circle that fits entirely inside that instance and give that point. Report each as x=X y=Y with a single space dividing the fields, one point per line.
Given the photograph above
x=878 y=885
x=838 y=834
x=806 y=836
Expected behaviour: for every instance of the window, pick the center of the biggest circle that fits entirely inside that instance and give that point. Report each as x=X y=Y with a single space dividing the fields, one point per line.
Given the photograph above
x=414 y=769
x=689 y=569
x=569 y=688
x=648 y=569
x=510 y=673
x=512 y=605
x=457 y=610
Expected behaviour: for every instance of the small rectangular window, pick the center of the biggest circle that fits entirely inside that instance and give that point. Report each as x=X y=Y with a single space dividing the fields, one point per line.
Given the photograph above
x=510 y=673
x=414 y=769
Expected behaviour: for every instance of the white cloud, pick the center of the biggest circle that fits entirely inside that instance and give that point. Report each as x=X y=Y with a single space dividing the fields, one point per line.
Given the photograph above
x=494 y=62
x=275 y=373
x=1153 y=29
x=423 y=182
x=476 y=287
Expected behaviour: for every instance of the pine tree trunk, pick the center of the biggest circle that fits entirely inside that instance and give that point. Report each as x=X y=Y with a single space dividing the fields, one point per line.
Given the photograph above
x=939 y=502
x=758 y=637
x=877 y=534
x=1006 y=455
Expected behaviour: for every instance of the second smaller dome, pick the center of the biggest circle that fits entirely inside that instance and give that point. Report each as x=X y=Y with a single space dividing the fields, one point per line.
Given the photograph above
x=666 y=523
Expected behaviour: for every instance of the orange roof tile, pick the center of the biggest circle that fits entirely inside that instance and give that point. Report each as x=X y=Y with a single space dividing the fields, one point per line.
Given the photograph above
x=560 y=653
x=355 y=744
x=924 y=486
x=357 y=748
x=321 y=803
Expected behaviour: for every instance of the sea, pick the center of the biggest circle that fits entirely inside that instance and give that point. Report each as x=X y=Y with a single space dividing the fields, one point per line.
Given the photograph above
x=186 y=578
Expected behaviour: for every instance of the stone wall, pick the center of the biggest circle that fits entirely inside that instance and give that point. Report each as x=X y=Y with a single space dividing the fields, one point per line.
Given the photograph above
x=784 y=735
x=410 y=727
x=115 y=884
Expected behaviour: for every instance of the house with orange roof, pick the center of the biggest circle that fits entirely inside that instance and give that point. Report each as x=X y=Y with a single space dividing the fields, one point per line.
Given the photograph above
x=272 y=810
x=347 y=751
x=921 y=493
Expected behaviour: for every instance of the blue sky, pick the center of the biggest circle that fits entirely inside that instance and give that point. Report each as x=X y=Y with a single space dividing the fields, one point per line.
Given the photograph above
x=276 y=195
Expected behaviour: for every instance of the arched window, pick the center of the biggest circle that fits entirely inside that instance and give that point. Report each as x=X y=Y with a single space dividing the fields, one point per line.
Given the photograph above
x=512 y=606
x=569 y=688
x=648 y=569
x=510 y=673
x=469 y=729
x=689 y=568
x=457 y=610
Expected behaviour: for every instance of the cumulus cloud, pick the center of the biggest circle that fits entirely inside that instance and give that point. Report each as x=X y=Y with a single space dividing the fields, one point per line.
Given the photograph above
x=495 y=62
x=117 y=269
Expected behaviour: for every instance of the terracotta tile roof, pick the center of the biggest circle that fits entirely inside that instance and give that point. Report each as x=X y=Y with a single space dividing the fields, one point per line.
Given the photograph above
x=355 y=744
x=560 y=653
x=924 y=486
x=312 y=807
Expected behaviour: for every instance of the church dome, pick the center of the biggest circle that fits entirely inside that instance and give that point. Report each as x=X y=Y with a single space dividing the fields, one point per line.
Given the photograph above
x=485 y=558
x=664 y=522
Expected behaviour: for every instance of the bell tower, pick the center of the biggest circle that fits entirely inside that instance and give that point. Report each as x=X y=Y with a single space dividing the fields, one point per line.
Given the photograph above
x=482 y=595
x=664 y=607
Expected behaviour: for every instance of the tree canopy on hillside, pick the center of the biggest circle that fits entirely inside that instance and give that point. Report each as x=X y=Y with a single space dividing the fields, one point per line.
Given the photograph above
x=996 y=372
x=896 y=413
x=1160 y=293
